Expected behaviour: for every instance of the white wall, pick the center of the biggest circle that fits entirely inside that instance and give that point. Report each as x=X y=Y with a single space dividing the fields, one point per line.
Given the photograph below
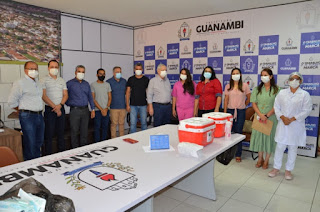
x=95 y=45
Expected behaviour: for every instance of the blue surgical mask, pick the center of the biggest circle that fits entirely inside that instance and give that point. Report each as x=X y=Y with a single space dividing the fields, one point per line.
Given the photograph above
x=118 y=75
x=207 y=75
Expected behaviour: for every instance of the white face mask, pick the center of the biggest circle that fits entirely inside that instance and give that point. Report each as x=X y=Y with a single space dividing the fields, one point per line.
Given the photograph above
x=80 y=76
x=54 y=71
x=294 y=83
x=163 y=74
x=265 y=79
x=33 y=73
x=183 y=77
x=138 y=72
x=236 y=77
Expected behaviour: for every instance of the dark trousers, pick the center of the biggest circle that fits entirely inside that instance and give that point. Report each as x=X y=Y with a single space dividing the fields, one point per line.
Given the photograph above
x=161 y=114
x=237 y=126
x=79 y=121
x=32 y=126
x=101 y=126
x=53 y=125
x=201 y=112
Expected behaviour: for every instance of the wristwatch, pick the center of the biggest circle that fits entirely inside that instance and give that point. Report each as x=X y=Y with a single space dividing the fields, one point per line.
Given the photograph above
x=108 y=108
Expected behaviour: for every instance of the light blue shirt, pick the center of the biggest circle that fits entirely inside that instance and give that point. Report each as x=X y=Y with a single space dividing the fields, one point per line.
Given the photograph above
x=26 y=94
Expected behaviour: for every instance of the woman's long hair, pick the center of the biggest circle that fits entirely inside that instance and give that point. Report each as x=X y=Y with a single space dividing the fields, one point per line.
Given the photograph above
x=213 y=76
x=273 y=86
x=232 y=81
x=188 y=85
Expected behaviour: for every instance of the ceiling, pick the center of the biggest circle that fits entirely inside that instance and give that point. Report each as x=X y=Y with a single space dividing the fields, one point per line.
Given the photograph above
x=143 y=12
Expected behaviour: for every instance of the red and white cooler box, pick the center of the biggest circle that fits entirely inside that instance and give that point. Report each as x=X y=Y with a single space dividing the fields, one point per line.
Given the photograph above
x=197 y=130
x=220 y=120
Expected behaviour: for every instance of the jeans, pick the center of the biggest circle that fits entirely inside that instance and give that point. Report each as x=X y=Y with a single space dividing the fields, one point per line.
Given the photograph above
x=117 y=117
x=237 y=126
x=53 y=124
x=142 y=110
x=32 y=126
x=79 y=121
x=101 y=126
x=161 y=114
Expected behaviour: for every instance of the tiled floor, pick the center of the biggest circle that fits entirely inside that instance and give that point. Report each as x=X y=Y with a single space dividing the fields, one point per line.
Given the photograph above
x=242 y=187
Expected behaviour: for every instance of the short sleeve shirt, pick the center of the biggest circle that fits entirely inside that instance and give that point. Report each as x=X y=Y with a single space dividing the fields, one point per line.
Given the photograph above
x=101 y=91
x=138 y=96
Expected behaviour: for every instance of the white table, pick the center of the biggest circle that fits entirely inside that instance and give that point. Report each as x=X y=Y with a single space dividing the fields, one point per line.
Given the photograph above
x=126 y=189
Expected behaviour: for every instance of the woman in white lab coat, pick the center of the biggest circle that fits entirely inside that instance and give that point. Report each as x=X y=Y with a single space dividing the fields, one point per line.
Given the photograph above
x=292 y=106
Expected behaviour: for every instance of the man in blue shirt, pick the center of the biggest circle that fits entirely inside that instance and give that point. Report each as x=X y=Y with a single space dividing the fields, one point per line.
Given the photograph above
x=79 y=97
x=118 y=105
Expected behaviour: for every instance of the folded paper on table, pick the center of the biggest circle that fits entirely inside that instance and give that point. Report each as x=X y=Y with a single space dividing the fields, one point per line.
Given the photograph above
x=189 y=149
x=263 y=127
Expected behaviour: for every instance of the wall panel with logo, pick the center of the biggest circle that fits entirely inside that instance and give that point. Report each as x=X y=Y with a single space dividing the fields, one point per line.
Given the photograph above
x=284 y=38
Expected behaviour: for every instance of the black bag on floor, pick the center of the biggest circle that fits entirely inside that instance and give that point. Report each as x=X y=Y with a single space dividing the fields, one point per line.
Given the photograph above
x=54 y=202
x=227 y=155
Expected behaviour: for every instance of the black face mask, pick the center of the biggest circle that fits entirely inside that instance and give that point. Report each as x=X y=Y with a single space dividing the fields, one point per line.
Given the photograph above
x=101 y=78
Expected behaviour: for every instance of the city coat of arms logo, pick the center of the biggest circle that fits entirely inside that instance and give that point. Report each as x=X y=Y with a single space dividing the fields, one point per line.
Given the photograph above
x=184 y=32
x=102 y=176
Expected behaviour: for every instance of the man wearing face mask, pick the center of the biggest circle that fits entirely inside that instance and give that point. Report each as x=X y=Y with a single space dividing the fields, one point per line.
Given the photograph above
x=79 y=98
x=26 y=97
x=55 y=94
x=101 y=93
x=159 y=97
x=118 y=103
x=292 y=106
x=136 y=98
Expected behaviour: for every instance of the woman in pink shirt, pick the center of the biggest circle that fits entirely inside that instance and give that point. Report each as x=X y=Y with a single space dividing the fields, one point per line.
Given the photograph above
x=183 y=94
x=237 y=97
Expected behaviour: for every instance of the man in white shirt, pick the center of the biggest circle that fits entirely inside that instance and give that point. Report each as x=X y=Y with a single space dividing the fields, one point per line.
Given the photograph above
x=55 y=94
x=26 y=97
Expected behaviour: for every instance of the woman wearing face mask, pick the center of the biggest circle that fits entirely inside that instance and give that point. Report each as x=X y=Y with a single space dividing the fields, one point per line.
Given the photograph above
x=292 y=106
x=237 y=97
x=208 y=93
x=262 y=99
x=183 y=96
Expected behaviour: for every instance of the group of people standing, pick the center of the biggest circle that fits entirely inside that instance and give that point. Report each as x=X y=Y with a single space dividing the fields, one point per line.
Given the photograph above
x=290 y=107
x=113 y=98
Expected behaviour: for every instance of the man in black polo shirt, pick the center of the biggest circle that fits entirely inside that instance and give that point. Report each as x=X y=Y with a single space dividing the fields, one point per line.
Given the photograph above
x=136 y=93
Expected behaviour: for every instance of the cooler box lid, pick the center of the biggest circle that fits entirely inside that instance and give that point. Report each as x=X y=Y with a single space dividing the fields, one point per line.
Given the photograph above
x=217 y=115
x=197 y=123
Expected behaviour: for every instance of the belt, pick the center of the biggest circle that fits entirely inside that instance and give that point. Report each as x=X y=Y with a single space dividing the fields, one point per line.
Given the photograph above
x=30 y=111
x=161 y=103
x=76 y=107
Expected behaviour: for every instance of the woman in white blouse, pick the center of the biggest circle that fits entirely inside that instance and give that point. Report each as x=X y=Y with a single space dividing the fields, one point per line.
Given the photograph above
x=292 y=106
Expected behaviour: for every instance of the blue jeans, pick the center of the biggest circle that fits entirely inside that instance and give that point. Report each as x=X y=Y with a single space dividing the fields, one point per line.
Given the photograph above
x=161 y=114
x=101 y=126
x=237 y=126
x=53 y=125
x=32 y=126
x=142 y=110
